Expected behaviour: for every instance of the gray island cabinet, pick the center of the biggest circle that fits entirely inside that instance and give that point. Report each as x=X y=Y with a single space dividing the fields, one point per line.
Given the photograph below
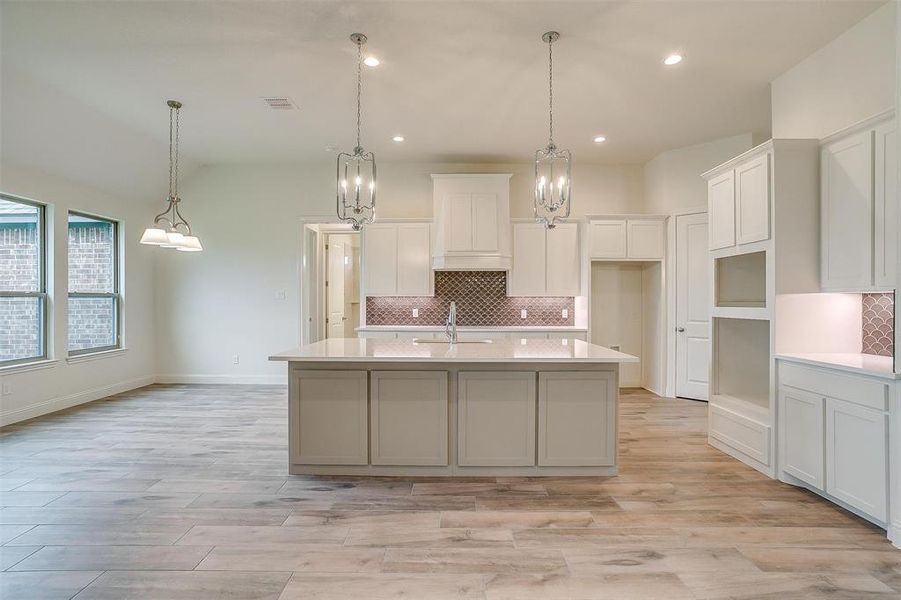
x=400 y=407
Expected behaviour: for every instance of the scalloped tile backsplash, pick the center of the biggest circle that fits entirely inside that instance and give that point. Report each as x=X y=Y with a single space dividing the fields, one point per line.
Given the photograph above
x=878 y=324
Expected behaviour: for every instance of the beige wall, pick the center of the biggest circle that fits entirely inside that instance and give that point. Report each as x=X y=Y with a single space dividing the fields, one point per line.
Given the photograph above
x=846 y=81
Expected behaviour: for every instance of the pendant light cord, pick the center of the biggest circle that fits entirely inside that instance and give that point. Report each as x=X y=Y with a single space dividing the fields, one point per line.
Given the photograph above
x=359 y=87
x=550 y=80
x=173 y=151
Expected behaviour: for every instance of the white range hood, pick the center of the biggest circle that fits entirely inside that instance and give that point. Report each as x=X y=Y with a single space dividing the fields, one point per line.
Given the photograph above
x=472 y=222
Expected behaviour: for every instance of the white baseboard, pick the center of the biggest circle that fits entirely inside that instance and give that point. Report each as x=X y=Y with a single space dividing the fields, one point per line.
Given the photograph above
x=55 y=404
x=225 y=379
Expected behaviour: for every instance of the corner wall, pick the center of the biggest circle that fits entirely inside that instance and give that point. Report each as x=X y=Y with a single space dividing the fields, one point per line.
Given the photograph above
x=62 y=384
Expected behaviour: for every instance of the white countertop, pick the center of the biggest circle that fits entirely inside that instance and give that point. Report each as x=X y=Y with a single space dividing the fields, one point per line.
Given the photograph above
x=865 y=364
x=499 y=351
x=468 y=329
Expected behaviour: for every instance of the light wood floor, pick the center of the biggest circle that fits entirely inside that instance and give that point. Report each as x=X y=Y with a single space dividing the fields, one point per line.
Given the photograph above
x=182 y=492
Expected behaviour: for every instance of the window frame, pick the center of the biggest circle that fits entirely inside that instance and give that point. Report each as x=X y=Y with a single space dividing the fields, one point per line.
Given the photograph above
x=115 y=295
x=41 y=294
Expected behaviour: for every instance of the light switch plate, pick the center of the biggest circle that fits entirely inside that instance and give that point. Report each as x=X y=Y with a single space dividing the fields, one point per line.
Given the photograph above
x=523 y=314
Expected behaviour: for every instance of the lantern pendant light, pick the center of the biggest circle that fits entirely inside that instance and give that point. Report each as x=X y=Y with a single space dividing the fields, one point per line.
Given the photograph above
x=177 y=232
x=356 y=172
x=553 y=166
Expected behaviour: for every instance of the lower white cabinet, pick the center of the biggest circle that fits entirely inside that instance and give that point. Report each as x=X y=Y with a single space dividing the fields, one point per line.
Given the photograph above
x=331 y=417
x=409 y=417
x=496 y=419
x=802 y=435
x=576 y=418
x=856 y=446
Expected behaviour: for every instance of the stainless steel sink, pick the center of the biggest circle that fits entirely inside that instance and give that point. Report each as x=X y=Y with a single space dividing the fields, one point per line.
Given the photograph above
x=422 y=341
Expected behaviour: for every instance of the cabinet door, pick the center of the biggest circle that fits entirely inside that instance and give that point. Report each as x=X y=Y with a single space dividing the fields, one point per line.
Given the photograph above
x=414 y=269
x=409 y=417
x=496 y=422
x=329 y=410
x=801 y=429
x=576 y=418
x=846 y=213
x=564 y=260
x=856 y=444
x=721 y=209
x=380 y=259
x=458 y=224
x=886 y=207
x=752 y=201
x=645 y=239
x=608 y=239
x=484 y=222
x=529 y=260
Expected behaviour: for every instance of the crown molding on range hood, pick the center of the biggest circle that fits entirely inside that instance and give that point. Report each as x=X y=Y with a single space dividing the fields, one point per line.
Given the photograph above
x=472 y=224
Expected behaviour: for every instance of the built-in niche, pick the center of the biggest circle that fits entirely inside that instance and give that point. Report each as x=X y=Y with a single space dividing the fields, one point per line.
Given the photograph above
x=741 y=280
x=742 y=364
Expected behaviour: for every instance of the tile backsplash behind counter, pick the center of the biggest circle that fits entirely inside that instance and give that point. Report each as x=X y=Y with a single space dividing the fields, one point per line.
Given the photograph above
x=482 y=301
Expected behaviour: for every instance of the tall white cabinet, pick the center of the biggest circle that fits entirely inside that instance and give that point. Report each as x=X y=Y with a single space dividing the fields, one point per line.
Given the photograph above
x=858 y=207
x=763 y=242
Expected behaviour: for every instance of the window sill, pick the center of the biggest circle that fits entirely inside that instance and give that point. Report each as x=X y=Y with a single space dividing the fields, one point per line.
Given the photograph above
x=46 y=363
x=79 y=358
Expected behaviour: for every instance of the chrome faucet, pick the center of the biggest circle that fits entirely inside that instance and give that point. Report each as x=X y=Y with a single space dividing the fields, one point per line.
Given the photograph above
x=450 y=329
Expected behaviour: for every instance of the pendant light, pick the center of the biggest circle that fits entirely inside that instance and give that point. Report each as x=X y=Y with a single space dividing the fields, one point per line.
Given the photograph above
x=356 y=172
x=177 y=232
x=553 y=166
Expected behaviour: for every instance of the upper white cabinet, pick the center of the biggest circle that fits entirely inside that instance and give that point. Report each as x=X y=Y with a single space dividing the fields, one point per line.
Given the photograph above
x=396 y=259
x=546 y=262
x=721 y=210
x=627 y=238
x=472 y=222
x=738 y=202
x=858 y=209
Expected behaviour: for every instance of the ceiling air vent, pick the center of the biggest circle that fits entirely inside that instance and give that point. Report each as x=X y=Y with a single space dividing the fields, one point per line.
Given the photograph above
x=279 y=103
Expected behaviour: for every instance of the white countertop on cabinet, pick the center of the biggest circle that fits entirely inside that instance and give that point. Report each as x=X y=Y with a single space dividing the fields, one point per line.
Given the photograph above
x=863 y=364
x=351 y=350
x=430 y=328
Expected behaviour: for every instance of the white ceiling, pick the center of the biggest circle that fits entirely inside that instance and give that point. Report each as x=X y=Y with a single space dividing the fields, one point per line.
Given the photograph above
x=463 y=82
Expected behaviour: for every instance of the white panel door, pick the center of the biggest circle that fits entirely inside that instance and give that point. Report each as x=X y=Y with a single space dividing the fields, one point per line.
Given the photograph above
x=577 y=418
x=335 y=289
x=484 y=222
x=846 y=213
x=332 y=420
x=801 y=431
x=529 y=260
x=886 y=206
x=409 y=417
x=414 y=249
x=856 y=445
x=564 y=260
x=644 y=239
x=692 y=307
x=380 y=259
x=608 y=238
x=721 y=210
x=752 y=201
x=496 y=420
x=458 y=226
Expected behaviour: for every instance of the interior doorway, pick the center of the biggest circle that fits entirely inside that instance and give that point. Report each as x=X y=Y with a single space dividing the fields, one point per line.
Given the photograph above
x=342 y=287
x=692 y=307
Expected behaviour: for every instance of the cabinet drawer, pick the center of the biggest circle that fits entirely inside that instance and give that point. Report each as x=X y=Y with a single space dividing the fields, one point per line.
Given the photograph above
x=851 y=388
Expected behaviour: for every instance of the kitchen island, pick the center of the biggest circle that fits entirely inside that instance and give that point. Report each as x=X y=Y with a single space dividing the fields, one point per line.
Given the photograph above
x=406 y=407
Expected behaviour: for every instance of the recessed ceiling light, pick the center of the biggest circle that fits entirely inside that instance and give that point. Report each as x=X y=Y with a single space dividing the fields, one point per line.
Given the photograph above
x=599 y=138
x=672 y=59
x=398 y=138
x=371 y=61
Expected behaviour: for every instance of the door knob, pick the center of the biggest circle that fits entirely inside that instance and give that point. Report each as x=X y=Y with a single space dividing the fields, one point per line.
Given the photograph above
x=680 y=329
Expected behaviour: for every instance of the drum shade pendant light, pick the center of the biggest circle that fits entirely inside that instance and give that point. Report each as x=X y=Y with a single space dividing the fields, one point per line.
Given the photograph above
x=553 y=166
x=356 y=172
x=170 y=229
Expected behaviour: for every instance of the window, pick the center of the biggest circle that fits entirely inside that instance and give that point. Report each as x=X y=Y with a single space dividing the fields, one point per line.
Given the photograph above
x=94 y=302
x=23 y=282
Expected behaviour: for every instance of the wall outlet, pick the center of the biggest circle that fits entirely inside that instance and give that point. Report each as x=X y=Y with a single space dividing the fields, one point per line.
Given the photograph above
x=523 y=314
x=6 y=389
x=236 y=359
x=415 y=313
x=281 y=295
x=565 y=313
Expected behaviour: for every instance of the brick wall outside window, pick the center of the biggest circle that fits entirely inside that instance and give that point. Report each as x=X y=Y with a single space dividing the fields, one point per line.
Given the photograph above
x=20 y=333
